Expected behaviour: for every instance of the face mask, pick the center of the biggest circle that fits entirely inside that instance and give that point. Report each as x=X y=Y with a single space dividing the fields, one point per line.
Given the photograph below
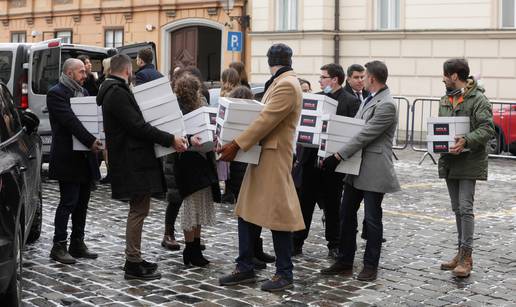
x=327 y=89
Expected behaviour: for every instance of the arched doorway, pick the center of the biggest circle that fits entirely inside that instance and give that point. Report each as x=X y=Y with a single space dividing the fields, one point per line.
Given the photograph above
x=195 y=42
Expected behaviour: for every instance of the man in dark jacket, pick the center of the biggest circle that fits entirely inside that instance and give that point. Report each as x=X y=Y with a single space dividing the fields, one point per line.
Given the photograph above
x=146 y=72
x=135 y=172
x=355 y=81
x=317 y=186
x=75 y=170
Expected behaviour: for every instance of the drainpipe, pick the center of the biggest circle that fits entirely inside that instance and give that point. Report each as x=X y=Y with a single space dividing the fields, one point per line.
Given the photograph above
x=336 y=37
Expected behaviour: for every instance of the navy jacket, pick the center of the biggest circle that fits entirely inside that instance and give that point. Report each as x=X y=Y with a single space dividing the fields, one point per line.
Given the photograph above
x=66 y=164
x=147 y=73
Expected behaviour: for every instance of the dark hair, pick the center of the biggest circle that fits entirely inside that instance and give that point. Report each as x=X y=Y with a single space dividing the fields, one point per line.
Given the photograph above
x=230 y=79
x=378 y=70
x=119 y=62
x=83 y=58
x=146 y=55
x=187 y=88
x=335 y=70
x=181 y=71
x=240 y=68
x=458 y=66
x=354 y=67
x=241 y=92
x=303 y=81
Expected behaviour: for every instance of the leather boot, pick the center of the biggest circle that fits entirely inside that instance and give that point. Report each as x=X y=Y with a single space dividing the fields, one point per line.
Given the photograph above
x=60 y=254
x=450 y=265
x=136 y=270
x=463 y=268
x=79 y=250
x=198 y=249
x=169 y=242
x=192 y=255
x=258 y=252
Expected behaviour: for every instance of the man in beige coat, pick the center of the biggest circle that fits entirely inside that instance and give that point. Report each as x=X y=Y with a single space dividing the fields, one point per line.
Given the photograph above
x=268 y=197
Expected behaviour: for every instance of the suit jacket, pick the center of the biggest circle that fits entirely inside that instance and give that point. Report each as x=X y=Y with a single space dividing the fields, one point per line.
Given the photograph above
x=375 y=139
x=268 y=197
x=65 y=163
x=350 y=90
x=147 y=73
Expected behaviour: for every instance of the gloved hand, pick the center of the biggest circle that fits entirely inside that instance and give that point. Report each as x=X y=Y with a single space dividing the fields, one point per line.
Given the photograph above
x=228 y=151
x=330 y=164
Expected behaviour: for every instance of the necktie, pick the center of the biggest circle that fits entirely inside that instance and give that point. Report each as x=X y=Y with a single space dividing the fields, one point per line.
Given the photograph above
x=368 y=98
x=359 y=96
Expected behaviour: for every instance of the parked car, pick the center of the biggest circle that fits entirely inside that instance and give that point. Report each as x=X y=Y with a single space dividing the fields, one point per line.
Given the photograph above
x=504 y=117
x=20 y=192
x=31 y=69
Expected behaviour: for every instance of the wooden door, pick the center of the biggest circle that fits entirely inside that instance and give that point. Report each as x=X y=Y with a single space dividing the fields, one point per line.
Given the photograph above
x=184 y=47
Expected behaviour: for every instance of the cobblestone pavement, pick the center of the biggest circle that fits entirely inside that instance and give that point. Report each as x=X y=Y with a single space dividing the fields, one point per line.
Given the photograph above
x=419 y=228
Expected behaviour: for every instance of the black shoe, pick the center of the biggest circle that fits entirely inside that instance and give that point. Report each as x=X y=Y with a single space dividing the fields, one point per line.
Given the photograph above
x=333 y=253
x=258 y=252
x=237 y=278
x=258 y=264
x=136 y=270
x=151 y=266
x=339 y=268
x=192 y=255
x=364 y=237
x=277 y=283
x=79 y=250
x=59 y=253
x=228 y=198
x=368 y=273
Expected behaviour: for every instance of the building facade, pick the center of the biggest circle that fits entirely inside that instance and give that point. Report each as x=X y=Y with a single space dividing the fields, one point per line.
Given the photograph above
x=413 y=37
x=186 y=32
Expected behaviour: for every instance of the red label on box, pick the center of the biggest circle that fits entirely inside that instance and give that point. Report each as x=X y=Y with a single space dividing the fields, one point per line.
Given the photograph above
x=323 y=145
x=441 y=147
x=305 y=137
x=324 y=126
x=308 y=120
x=213 y=118
x=217 y=130
x=310 y=104
x=222 y=112
x=441 y=129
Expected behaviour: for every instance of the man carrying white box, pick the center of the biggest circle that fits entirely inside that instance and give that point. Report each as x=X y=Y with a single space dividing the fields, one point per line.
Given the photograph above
x=135 y=172
x=268 y=196
x=376 y=177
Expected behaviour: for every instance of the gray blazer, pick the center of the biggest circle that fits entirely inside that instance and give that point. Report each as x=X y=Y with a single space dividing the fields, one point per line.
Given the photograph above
x=375 y=139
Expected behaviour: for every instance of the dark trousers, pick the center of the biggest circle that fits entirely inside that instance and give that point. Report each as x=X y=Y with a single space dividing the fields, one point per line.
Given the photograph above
x=248 y=233
x=348 y=225
x=74 y=198
x=325 y=189
x=171 y=216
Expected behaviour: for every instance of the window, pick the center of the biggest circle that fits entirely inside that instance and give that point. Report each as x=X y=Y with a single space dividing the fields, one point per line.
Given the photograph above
x=8 y=116
x=6 y=58
x=114 y=38
x=388 y=14
x=18 y=37
x=45 y=70
x=66 y=36
x=508 y=12
x=286 y=15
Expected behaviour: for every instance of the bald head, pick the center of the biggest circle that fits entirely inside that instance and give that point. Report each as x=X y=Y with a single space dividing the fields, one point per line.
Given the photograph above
x=75 y=69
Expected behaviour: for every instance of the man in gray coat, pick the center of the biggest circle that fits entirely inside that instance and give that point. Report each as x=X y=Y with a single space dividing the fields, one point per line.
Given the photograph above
x=376 y=176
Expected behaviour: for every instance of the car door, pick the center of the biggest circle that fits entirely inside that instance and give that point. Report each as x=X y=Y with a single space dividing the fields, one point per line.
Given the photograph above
x=132 y=52
x=44 y=70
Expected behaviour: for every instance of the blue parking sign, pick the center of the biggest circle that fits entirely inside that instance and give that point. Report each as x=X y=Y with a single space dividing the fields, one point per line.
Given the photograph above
x=235 y=41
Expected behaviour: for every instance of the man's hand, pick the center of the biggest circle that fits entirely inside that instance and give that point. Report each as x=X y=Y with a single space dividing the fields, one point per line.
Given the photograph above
x=97 y=146
x=459 y=145
x=228 y=151
x=180 y=143
x=195 y=140
x=330 y=164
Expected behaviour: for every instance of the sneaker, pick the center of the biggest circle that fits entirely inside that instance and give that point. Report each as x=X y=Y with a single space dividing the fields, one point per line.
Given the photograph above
x=237 y=278
x=339 y=268
x=368 y=273
x=277 y=283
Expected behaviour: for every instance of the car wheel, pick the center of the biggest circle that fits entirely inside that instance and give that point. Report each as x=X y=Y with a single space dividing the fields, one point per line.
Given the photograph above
x=494 y=145
x=14 y=291
x=35 y=228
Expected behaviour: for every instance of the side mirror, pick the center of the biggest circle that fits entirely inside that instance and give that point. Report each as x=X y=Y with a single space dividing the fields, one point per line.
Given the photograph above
x=29 y=120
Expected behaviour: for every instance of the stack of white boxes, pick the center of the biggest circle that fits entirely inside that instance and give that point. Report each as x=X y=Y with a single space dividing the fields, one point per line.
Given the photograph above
x=90 y=115
x=233 y=117
x=201 y=122
x=336 y=131
x=314 y=107
x=160 y=108
x=442 y=132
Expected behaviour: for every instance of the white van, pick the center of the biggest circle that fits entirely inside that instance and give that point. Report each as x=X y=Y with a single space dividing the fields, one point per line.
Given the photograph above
x=35 y=68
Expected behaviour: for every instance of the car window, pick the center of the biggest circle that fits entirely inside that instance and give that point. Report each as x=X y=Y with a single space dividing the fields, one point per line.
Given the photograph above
x=9 y=120
x=5 y=65
x=45 y=70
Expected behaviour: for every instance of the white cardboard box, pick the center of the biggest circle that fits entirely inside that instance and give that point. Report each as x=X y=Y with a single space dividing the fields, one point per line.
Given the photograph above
x=226 y=132
x=341 y=125
x=201 y=117
x=448 y=125
x=239 y=111
x=308 y=139
x=252 y=156
x=159 y=107
x=207 y=140
x=332 y=143
x=349 y=166
x=172 y=124
x=85 y=106
x=77 y=145
x=317 y=104
x=153 y=89
x=440 y=143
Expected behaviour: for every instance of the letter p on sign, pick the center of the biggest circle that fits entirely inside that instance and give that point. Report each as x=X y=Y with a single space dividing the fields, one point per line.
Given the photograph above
x=234 y=41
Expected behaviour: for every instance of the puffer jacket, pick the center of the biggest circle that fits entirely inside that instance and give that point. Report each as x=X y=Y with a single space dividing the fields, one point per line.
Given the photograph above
x=470 y=164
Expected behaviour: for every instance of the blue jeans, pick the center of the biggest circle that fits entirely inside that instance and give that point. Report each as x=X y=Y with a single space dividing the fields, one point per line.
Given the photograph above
x=74 y=198
x=348 y=225
x=248 y=234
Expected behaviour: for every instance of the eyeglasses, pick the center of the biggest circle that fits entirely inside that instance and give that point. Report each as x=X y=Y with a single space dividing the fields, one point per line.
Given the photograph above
x=324 y=77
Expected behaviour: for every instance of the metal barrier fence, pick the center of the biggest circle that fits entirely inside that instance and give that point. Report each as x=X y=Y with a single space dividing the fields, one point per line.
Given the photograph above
x=424 y=107
x=403 y=106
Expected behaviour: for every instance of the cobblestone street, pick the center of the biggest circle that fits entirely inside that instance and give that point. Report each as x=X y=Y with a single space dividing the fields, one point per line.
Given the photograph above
x=418 y=224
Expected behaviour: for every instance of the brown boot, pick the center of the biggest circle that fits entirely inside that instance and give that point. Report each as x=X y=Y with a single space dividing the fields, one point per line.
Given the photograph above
x=169 y=242
x=447 y=266
x=465 y=264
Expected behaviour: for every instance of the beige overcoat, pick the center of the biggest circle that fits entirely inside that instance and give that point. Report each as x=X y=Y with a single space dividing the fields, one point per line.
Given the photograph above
x=268 y=197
